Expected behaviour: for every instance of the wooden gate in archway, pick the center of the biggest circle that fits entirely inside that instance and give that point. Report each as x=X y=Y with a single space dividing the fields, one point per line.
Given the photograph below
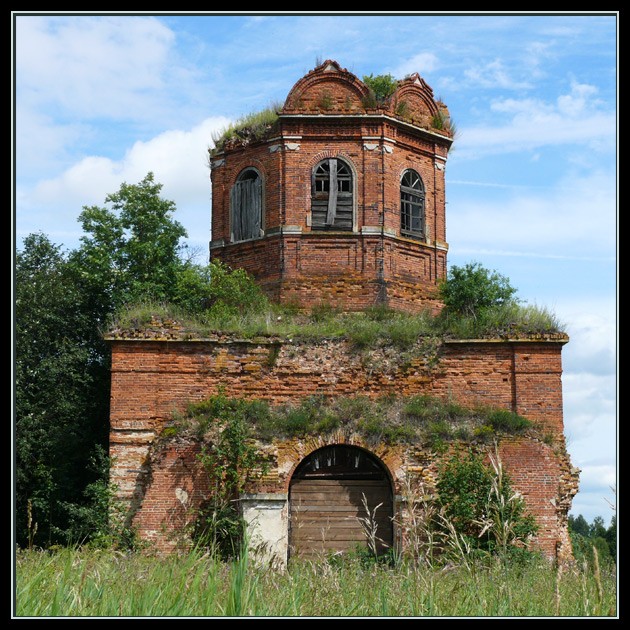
x=331 y=490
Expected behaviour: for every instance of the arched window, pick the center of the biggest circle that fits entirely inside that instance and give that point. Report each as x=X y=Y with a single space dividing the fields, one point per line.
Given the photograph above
x=331 y=196
x=246 y=205
x=411 y=204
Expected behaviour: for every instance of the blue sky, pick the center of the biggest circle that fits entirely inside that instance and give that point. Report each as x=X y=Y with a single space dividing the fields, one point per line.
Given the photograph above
x=532 y=188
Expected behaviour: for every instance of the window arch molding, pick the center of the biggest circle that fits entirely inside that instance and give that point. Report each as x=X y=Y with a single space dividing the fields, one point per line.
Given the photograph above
x=333 y=194
x=247 y=205
x=412 y=204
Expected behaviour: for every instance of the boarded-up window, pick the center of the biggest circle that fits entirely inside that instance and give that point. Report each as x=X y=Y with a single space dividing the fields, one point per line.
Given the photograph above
x=246 y=204
x=331 y=196
x=411 y=204
x=326 y=502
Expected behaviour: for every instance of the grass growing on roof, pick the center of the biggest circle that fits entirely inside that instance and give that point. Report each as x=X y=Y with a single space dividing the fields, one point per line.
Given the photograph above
x=251 y=127
x=389 y=418
x=364 y=329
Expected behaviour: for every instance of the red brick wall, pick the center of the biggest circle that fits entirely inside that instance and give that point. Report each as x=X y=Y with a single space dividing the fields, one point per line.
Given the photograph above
x=326 y=114
x=379 y=147
x=152 y=379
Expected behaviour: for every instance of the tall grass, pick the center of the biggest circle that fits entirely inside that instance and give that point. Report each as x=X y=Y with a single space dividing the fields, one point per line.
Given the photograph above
x=364 y=329
x=252 y=126
x=92 y=583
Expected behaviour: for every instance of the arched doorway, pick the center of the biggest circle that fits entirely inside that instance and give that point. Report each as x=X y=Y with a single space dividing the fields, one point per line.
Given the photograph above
x=326 y=501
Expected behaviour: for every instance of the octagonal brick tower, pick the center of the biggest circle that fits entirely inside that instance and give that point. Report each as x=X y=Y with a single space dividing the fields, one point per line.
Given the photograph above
x=339 y=201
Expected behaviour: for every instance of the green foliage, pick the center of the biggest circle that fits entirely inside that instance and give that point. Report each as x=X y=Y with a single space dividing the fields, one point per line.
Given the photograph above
x=204 y=415
x=417 y=419
x=230 y=460
x=444 y=122
x=611 y=538
x=413 y=334
x=192 y=290
x=129 y=252
x=463 y=487
x=205 y=298
x=249 y=128
x=233 y=292
x=470 y=290
x=325 y=101
x=422 y=408
x=131 y=249
x=381 y=87
x=478 y=502
x=99 y=522
x=586 y=537
x=402 y=109
x=362 y=558
x=61 y=402
x=579 y=525
x=91 y=583
x=500 y=321
x=310 y=416
x=506 y=421
x=218 y=294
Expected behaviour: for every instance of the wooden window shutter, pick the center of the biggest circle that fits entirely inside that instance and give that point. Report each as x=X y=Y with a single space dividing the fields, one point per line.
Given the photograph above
x=246 y=201
x=332 y=193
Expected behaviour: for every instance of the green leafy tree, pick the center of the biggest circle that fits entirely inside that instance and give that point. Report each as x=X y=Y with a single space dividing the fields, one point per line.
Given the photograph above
x=579 y=525
x=381 y=86
x=463 y=486
x=131 y=250
x=597 y=528
x=478 y=503
x=216 y=291
x=471 y=289
x=100 y=520
x=588 y=536
x=61 y=404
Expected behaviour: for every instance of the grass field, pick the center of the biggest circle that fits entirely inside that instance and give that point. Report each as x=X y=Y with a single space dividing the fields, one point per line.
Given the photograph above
x=98 y=583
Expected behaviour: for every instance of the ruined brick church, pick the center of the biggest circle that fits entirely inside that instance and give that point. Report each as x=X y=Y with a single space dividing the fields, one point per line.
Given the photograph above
x=341 y=202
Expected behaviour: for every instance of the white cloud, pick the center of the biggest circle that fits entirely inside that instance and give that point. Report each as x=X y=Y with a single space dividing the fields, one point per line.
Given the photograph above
x=41 y=141
x=589 y=406
x=579 y=101
x=574 y=118
x=597 y=494
x=178 y=159
x=420 y=63
x=537 y=54
x=494 y=75
x=560 y=221
x=91 y=66
x=598 y=477
x=592 y=504
x=590 y=429
x=590 y=400
x=593 y=332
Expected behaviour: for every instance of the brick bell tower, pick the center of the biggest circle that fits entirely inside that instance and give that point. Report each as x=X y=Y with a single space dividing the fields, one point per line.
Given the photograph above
x=341 y=199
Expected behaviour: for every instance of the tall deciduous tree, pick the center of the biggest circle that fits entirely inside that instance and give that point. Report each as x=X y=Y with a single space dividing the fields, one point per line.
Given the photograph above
x=129 y=252
x=588 y=536
x=131 y=249
x=61 y=405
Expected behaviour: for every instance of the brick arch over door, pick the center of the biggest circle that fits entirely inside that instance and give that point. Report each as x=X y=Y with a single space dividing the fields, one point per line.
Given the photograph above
x=326 y=501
